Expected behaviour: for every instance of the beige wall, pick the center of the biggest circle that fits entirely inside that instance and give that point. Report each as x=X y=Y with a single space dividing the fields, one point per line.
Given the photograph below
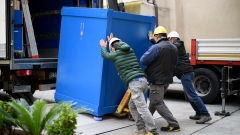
x=193 y=18
x=202 y=18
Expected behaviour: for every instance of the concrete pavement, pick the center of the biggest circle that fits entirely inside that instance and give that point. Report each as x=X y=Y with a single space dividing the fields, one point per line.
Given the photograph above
x=181 y=109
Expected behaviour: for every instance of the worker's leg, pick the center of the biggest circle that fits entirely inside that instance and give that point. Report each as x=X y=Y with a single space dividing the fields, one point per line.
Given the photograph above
x=151 y=108
x=138 y=106
x=156 y=97
x=191 y=103
x=136 y=116
x=194 y=99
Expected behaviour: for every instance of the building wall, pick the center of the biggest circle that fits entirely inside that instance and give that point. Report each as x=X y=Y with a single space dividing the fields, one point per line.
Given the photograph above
x=202 y=19
x=193 y=18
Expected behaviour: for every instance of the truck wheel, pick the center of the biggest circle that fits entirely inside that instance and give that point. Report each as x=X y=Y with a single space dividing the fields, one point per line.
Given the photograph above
x=207 y=85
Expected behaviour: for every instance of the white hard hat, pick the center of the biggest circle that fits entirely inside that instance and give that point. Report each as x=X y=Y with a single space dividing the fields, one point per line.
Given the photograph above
x=173 y=34
x=113 y=40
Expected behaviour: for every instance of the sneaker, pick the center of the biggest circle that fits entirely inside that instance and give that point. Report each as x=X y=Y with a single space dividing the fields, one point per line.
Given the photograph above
x=169 y=128
x=195 y=117
x=204 y=119
x=150 y=133
x=140 y=132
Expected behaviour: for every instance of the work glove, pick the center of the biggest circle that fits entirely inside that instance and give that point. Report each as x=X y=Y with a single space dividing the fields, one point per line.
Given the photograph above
x=150 y=37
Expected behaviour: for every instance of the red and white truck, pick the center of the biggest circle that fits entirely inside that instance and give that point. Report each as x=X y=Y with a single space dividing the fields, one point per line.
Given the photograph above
x=208 y=57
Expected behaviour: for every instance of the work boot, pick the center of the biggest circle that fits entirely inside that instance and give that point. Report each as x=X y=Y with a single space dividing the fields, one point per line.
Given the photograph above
x=204 y=119
x=195 y=117
x=140 y=132
x=170 y=128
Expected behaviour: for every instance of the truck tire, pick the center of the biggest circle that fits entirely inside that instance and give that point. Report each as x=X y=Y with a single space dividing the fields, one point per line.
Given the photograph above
x=207 y=85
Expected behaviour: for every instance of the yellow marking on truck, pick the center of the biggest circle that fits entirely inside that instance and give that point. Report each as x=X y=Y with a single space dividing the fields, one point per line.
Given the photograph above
x=219 y=55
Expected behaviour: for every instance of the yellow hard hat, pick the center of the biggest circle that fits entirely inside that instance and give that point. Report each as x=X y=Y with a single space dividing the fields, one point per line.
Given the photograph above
x=160 y=29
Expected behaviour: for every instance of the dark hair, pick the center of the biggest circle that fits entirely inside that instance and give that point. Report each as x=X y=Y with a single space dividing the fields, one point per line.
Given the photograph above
x=162 y=34
x=114 y=43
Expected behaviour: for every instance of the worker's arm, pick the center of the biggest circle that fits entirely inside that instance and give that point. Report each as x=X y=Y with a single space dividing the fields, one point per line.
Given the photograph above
x=149 y=55
x=105 y=53
x=176 y=46
x=176 y=62
x=153 y=41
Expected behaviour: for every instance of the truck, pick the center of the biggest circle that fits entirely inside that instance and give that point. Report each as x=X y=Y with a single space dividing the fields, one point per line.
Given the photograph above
x=209 y=57
x=29 y=41
x=28 y=58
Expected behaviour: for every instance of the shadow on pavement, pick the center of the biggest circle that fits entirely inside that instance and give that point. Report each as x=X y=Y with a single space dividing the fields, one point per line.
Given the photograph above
x=179 y=96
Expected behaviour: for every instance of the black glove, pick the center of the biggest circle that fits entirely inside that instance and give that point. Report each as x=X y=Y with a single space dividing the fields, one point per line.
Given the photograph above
x=153 y=41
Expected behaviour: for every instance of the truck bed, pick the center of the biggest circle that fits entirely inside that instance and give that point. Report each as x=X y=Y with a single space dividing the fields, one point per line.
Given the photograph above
x=29 y=63
x=215 y=51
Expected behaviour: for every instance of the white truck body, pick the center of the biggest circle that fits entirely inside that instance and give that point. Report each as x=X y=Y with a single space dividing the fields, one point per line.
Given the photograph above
x=3 y=29
x=218 y=49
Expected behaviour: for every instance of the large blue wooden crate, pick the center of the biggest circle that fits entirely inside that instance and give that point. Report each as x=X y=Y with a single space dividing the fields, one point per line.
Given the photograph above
x=83 y=75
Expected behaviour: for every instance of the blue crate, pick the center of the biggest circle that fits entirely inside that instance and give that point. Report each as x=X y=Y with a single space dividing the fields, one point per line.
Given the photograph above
x=83 y=75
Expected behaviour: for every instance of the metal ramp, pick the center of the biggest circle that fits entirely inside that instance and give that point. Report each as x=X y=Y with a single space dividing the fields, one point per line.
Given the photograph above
x=30 y=37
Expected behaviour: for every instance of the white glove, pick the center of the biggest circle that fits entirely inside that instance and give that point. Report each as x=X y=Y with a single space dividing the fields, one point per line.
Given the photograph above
x=150 y=35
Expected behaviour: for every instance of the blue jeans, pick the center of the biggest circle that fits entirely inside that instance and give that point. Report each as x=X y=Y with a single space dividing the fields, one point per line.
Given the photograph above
x=191 y=95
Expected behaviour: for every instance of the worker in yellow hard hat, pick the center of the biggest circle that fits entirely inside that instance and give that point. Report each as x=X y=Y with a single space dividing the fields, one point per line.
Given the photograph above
x=160 y=60
x=158 y=30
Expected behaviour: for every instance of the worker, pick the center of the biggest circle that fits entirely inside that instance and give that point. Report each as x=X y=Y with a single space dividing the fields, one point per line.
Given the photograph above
x=133 y=76
x=160 y=60
x=185 y=72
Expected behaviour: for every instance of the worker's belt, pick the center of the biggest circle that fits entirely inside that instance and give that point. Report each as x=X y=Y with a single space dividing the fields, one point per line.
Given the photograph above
x=152 y=83
x=140 y=79
x=155 y=84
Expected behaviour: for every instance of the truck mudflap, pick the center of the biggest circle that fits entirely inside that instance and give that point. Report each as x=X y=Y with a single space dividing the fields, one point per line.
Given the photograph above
x=44 y=87
x=21 y=91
